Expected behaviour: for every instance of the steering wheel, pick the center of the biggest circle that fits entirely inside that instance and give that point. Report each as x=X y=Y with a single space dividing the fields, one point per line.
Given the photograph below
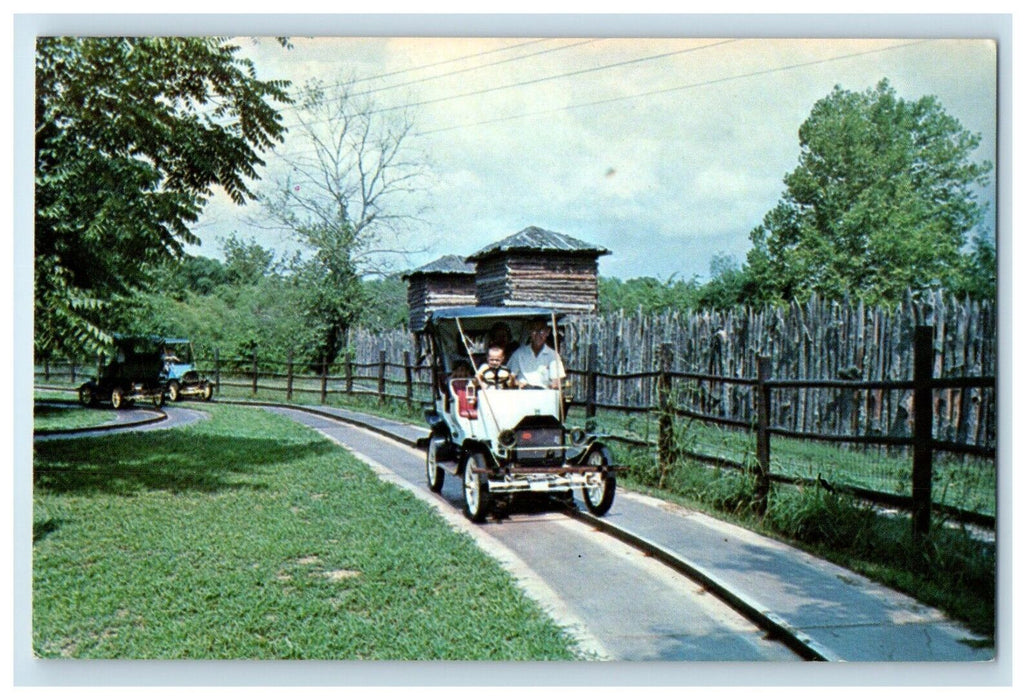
x=497 y=377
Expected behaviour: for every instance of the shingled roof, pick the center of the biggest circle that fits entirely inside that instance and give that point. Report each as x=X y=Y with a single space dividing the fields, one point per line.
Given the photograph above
x=537 y=240
x=445 y=265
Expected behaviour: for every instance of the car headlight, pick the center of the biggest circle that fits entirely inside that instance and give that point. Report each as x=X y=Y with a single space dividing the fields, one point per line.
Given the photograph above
x=507 y=438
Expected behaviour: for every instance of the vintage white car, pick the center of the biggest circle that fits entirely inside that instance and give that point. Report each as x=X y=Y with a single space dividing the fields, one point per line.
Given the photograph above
x=501 y=440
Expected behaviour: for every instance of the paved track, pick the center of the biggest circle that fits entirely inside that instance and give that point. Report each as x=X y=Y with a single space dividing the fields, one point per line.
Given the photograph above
x=135 y=419
x=621 y=604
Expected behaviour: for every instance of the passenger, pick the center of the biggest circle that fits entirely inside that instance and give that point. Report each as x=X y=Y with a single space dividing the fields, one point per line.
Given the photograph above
x=501 y=336
x=493 y=374
x=536 y=364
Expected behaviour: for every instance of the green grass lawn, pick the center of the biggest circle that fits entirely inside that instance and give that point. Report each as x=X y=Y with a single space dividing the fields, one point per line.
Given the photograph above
x=248 y=536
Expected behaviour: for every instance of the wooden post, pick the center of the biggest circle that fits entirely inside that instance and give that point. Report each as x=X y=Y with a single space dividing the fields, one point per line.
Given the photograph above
x=290 y=374
x=381 y=369
x=407 y=361
x=322 y=383
x=590 y=381
x=348 y=377
x=254 y=372
x=665 y=423
x=763 y=466
x=922 y=465
x=46 y=368
x=217 y=374
x=73 y=371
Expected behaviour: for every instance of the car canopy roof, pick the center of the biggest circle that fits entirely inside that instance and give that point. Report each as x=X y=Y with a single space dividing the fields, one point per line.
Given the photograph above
x=449 y=314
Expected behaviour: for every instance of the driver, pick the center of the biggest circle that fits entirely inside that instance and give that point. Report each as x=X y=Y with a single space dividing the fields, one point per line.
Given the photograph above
x=536 y=364
x=492 y=374
x=168 y=358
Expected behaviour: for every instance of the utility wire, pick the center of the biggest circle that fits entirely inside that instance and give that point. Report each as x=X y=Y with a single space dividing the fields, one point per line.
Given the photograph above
x=473 y=68
x=353 y=81
x=452 y=60
x=557 y=76
x=661 y=91
x=525 y=83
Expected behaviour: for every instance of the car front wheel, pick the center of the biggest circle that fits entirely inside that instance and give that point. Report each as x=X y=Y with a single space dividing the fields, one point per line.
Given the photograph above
x=206 y=391
x=601 y=488
x=173 y=391
x=118 y=399
x=476 y=499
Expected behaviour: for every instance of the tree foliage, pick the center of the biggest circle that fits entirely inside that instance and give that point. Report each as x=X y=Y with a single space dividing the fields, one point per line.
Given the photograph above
x=250 y=302
x=647 y=294
x=132 y=137
x=882 y=201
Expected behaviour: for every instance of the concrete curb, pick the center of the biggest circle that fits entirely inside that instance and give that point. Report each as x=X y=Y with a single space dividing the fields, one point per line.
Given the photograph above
x=744 y=604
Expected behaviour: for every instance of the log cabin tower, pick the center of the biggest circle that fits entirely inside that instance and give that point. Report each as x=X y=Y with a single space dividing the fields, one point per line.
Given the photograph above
x=535 y=267
x=448 y=281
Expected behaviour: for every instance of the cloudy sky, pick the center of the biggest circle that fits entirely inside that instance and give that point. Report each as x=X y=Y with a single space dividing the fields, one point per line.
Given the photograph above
x=665 y=151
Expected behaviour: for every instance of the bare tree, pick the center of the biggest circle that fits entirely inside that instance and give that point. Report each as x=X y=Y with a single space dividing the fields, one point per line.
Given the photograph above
x=349 y=195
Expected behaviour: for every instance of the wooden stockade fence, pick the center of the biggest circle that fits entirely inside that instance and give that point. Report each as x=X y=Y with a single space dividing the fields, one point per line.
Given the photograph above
x=813 y=341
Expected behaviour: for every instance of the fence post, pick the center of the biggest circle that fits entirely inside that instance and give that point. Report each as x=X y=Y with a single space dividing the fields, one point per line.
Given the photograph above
x=218 y=376
x=46 y=368
x=381 y=369
x=254 y=372
x=73 y=371
x=590 y=379
x=922 y=454
x=348 y=377
x=407 y=360
x=290 y=374
x=763 y=467
x=322 y=383
x=665 y=423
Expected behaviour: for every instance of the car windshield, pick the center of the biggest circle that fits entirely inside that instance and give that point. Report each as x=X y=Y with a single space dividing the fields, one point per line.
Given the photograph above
x=181 y=351
x=479 y=332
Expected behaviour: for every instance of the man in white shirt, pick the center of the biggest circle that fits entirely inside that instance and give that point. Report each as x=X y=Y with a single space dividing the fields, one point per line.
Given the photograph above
x=536 y=364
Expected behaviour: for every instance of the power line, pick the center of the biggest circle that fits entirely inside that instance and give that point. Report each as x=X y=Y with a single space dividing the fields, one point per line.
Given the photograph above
x=353 y=81
x=525 y=83
x=661 y=91
x=473 y=68
x=557 y=76
x=452 y=60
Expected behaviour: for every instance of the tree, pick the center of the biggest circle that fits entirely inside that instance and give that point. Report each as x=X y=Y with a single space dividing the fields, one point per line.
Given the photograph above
x=132 y=135
x=881 y=201
x=346 y=197
x=647 y=294
x=246 y=261
x=728 y=285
